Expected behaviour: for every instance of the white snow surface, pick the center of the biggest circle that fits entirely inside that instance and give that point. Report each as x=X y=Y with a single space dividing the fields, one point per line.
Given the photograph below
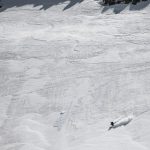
x=65 y=74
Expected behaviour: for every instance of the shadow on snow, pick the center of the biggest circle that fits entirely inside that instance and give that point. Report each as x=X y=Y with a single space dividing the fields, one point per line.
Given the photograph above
x=117 y=8
x=45 y=4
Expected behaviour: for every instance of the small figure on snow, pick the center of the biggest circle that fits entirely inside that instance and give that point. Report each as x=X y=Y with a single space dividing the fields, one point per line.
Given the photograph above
x=62 y=112
x=120 y=122
x=112 y=123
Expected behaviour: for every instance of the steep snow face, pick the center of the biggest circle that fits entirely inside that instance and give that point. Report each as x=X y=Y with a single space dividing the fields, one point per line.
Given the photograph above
x=65 y=75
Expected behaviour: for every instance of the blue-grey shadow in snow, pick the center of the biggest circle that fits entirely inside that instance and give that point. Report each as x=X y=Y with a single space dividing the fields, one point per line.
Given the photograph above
x=117 y=8
x=45 y=4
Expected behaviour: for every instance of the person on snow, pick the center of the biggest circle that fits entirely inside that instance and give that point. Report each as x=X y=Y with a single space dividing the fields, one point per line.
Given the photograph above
x=120 y=122
x=112 y=123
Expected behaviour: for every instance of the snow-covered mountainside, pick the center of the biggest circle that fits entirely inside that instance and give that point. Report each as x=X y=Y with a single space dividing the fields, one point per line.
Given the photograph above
x=69 y=68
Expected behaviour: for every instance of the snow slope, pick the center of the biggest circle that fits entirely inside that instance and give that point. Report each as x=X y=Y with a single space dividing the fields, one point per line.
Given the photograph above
x=90 y=62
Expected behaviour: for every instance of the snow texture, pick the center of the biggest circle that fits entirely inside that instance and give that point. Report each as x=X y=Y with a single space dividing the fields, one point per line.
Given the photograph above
x=69 y=68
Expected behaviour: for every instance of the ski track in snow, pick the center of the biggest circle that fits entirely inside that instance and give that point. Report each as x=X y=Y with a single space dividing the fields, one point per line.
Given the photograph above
x=93 y=66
